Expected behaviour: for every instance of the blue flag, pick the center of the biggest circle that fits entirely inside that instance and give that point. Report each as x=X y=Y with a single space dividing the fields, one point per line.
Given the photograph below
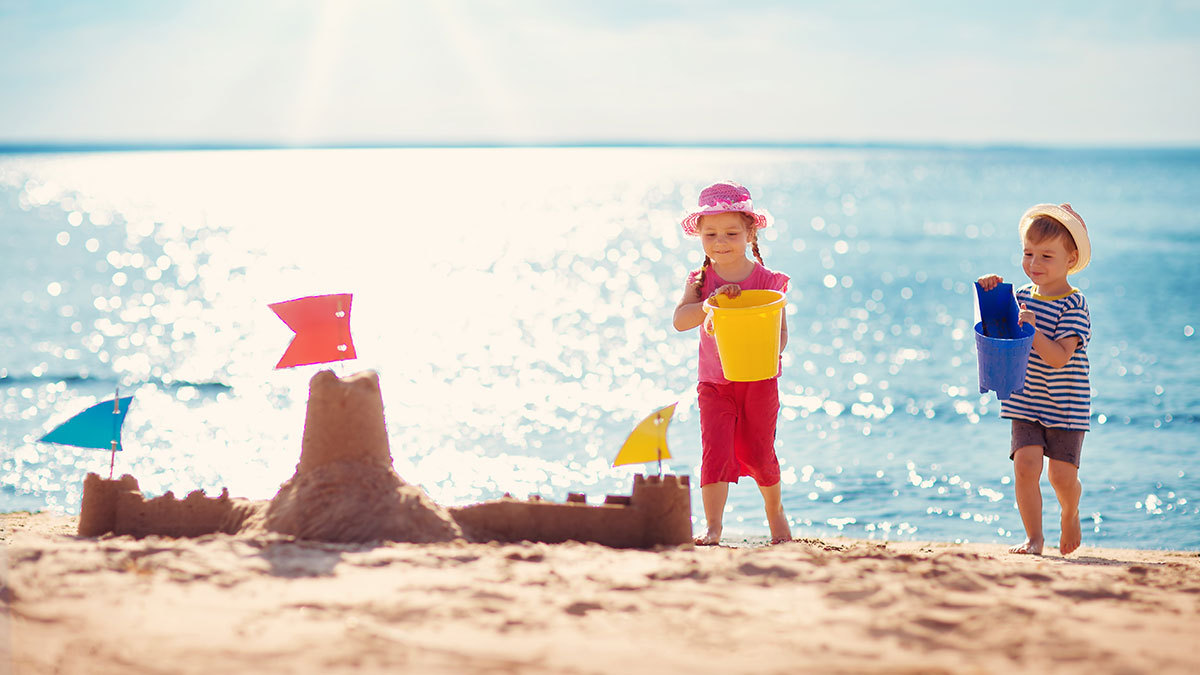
x=97 y=427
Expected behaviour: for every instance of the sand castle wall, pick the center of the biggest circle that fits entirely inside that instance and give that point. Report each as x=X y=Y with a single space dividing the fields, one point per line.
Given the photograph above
x=345 y=490
x=658 y=513
x=118 y=507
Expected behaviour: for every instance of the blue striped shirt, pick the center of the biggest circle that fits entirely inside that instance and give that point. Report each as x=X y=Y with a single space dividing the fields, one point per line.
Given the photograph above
x=1055 y=397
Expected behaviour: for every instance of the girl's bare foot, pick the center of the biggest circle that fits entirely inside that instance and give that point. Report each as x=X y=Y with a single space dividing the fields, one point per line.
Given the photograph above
x=710 y=538
x=1030 y=547
x=780 y=531
x=1071 y=536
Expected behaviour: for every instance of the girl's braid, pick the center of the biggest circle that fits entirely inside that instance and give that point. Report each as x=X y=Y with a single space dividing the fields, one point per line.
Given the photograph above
x=698 y=276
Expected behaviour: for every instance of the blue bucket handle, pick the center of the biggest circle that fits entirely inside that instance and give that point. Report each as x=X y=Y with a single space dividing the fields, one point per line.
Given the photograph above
x=998 y=311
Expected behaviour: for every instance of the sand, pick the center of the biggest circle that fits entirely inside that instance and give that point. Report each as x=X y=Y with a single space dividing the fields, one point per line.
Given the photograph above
x=271 y=604
x=385 y=580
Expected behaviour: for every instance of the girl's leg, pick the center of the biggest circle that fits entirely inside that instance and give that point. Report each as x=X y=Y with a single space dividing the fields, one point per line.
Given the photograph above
x=718 y=466
x=1027 y=471
x=754 y=446
x=776 y=518
x=714 y=496
x=1064 y=478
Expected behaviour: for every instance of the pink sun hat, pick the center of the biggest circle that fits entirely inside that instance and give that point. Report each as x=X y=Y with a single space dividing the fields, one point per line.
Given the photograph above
x=1066 y=215
x=724 y=197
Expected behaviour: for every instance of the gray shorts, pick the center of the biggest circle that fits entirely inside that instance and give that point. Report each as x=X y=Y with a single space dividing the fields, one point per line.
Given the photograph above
x=1062 y=444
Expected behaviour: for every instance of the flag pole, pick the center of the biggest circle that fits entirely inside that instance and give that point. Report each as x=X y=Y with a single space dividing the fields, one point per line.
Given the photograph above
x=658 y=448
x=116 y=430
x=340 y=313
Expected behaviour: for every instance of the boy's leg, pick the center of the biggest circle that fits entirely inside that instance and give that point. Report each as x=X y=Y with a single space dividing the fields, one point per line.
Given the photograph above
x=776 y=518
x=1064 y=478
x=1027 y=472
x=714 y=496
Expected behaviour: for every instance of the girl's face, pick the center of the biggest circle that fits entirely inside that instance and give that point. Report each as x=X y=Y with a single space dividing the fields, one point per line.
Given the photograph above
x=1046 y=262
x=724 y=237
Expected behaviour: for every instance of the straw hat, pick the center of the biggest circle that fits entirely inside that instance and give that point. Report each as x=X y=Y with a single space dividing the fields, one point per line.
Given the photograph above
x=1064 y=214
x=724 y=197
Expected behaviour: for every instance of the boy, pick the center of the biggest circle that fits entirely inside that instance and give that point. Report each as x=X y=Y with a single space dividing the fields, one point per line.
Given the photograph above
x=1051 y=413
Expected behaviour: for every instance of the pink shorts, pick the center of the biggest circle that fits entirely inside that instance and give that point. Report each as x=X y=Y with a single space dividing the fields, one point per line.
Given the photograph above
x=737 y=431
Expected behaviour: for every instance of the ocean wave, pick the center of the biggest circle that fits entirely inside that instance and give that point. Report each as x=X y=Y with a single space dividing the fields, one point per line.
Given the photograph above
x=89 y=380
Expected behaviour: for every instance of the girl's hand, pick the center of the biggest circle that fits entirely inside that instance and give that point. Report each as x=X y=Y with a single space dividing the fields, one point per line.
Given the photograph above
x=1026 y=316
x=989 y=281
x=708 y=325
x=729 y=290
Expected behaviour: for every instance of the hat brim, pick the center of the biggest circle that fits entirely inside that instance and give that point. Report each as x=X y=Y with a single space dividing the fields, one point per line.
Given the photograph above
x=1070 y=221
x=691 y=224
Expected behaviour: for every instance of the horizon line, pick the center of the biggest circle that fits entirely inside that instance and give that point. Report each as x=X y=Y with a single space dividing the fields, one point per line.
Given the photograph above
x=65 y=146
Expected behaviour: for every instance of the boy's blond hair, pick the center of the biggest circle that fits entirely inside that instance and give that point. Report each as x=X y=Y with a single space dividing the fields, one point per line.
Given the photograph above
x=1045 y=228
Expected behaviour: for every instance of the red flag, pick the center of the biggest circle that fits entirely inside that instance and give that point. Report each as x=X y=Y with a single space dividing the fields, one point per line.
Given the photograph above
x=322 y=326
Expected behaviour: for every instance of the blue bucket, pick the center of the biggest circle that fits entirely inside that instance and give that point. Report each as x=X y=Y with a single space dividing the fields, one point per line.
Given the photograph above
x=1002 y=344
x=1002 y=361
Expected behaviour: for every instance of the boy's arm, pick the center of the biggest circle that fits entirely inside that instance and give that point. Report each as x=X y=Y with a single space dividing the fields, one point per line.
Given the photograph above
x=1056 y=353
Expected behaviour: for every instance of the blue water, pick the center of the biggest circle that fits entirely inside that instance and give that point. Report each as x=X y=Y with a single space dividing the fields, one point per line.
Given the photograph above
x=517 y=304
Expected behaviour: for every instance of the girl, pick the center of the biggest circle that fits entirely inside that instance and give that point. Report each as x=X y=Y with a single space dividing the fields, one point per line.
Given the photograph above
x=737 y=419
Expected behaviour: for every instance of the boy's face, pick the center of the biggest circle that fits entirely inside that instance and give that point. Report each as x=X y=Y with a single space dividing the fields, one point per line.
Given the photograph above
x=724 y=237
x=1046 y=262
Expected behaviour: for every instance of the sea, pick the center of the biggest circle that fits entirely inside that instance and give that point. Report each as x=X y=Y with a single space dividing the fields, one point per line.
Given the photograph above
x=516 y=304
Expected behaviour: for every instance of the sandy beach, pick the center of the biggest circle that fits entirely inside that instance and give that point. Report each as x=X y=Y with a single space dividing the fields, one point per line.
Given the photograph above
x=239 y=604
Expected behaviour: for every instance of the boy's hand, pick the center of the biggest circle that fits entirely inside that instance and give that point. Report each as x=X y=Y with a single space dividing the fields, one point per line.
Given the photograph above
x=1026 y=316
x=730 y=290
x=989 y=281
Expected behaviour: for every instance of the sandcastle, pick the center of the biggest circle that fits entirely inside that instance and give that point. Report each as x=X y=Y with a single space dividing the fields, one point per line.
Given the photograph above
x=345 y=490
x=658 y=513
x=118 y=507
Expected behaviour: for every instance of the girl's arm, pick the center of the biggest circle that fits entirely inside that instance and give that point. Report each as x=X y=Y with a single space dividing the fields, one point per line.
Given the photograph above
x=689 y=313
x=1056 y=353
x=783 y=333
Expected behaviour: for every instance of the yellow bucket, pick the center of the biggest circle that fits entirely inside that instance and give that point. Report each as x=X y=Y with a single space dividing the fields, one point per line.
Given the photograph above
x=747 y=332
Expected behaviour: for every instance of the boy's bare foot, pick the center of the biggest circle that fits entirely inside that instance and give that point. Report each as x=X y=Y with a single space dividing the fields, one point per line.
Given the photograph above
x=1030 y=547
x=1071 y=536
x=710 y=538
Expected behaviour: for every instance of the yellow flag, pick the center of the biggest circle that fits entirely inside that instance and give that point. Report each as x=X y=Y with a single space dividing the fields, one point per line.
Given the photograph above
x=648 y=441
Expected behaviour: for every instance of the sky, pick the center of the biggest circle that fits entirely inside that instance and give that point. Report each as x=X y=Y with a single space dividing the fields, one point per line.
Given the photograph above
x=321 y=72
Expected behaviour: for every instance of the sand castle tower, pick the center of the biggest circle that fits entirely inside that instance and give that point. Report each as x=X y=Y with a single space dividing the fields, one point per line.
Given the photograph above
x=666 y=509
x=344 y=488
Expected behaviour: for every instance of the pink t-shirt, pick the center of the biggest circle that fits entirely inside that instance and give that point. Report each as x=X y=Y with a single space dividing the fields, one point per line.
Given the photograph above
x=761 y=279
